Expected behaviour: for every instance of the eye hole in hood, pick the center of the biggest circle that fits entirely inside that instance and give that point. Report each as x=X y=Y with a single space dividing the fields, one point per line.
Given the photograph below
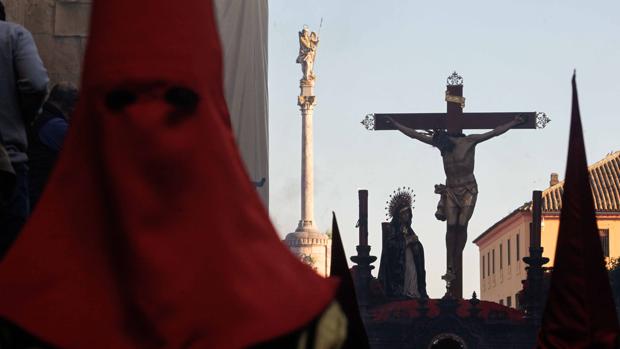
x=119 y=99
x=182 y=98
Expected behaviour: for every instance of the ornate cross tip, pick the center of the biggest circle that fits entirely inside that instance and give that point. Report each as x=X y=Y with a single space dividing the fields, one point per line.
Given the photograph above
x=455 y=80
x=542 y=120
x=369 y=122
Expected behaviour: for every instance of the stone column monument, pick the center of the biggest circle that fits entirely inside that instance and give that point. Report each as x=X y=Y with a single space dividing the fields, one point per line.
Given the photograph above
x=310 y=245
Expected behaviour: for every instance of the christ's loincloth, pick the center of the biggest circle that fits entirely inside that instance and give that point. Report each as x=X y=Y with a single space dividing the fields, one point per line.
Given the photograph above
x=459 y=196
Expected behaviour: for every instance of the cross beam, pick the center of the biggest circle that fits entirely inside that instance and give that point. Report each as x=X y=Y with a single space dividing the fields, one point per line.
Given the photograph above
x=454 y=120
x=434 y=121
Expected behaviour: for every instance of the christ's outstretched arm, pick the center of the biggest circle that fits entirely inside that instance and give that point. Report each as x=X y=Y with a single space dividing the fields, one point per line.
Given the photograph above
x=496 y=131
x=411 y=132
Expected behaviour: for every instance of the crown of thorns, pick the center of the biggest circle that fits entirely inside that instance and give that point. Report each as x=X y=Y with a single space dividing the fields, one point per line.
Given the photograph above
x=401 y=198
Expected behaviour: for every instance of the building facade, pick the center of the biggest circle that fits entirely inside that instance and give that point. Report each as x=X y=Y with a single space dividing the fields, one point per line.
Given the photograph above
x=503 y=246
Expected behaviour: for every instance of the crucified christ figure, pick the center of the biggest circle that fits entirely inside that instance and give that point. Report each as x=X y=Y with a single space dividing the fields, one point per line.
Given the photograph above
x=458 y=195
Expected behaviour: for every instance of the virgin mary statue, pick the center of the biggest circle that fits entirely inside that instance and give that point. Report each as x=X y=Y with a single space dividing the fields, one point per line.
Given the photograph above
x=402 y=272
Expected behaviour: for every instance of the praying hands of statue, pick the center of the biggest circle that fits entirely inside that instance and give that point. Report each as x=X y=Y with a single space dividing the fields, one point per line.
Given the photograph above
x=410 y=238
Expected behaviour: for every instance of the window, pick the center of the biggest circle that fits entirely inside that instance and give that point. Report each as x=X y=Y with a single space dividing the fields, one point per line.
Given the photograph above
x=508 y=252
x=518 y=249
x=604 y=235
x=483 y=267
x=501 y=256
x=509 y=301
x=488 y=263
x=493 y=261
x=517 y=300
x=501 y=302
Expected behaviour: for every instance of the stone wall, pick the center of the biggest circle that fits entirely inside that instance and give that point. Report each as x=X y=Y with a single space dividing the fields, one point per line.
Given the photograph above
x=60 y=29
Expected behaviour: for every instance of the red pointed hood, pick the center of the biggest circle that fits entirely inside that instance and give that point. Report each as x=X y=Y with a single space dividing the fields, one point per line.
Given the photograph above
x=153 y=38
x=580 y=311
x=149 y=233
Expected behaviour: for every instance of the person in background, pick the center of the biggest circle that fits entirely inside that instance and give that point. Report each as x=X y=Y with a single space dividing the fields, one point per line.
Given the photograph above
x=7 y=177
x=47 y=135
x=22 y=91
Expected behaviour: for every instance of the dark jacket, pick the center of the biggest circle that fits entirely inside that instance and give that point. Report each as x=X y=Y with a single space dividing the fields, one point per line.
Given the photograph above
x=7 y=177
x=23 y=84
x=46 y=136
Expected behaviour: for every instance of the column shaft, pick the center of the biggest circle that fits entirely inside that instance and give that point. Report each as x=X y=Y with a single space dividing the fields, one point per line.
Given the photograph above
x=307 y=170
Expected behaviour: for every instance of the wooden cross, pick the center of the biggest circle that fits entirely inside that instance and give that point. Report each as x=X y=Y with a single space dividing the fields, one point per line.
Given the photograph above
x=454 y=120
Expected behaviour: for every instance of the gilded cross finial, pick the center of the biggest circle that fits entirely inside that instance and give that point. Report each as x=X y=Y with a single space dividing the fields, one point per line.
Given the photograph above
x=369 y=122
x=455 y=80
x=542 y=120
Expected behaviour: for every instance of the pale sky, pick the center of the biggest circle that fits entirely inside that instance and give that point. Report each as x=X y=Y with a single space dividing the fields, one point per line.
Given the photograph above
x=394 y=56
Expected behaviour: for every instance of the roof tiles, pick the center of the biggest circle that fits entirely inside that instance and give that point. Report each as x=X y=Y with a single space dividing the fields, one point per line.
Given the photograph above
x=605 y=183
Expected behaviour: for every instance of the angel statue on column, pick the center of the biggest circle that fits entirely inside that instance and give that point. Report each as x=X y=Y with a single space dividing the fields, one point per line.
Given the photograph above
x=308 y=43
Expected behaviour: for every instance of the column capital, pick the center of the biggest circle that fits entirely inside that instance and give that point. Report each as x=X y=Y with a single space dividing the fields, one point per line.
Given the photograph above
x=306 y=102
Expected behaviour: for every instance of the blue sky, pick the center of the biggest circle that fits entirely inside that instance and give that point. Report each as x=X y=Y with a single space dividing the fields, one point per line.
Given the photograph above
x=394 y=56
